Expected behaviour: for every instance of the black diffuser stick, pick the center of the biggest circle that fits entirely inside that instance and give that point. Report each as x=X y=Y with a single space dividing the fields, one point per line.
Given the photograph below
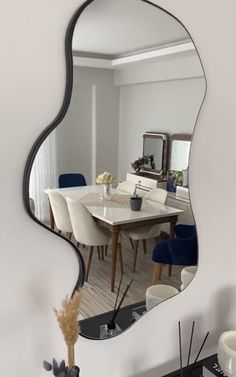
x=204 y=341
x=200 y=350
x=121 y=301
x=118 y=292
x=180 y=351
x=190 y=343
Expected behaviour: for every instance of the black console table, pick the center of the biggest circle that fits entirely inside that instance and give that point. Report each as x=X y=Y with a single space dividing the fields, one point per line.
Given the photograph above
x=208 y=367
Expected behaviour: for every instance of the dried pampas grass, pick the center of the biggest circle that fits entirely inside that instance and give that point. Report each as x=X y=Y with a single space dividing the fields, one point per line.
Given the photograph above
x=67 y=318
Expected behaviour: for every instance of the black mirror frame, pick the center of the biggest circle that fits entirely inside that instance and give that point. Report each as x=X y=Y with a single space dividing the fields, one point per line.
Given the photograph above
x=59 y=118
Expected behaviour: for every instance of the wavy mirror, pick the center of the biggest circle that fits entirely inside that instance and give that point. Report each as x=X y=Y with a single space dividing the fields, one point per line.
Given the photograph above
x=134 y=68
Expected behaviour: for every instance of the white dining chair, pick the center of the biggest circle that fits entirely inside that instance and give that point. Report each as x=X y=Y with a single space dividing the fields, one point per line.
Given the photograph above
x=146 y=232
x=126 y=187
x=87 y=232
x=60 y=213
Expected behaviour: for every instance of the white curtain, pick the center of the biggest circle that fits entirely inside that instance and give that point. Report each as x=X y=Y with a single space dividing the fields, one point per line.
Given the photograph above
x=43 y=176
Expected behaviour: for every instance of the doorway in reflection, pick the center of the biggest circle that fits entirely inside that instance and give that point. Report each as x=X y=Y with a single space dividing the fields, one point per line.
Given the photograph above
x=135 y=69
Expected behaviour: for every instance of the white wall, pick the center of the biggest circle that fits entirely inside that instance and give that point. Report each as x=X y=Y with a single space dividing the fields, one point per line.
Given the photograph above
x=75 y=135
x=165 y=106
x=37 y=269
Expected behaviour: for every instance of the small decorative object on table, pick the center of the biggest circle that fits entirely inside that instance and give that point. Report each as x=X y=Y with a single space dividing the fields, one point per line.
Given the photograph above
x=227 y=353
x=196 y=368
x=138 y=164
x=106 y=179
x=68 y=322
x=136 y=201
x=111 y=328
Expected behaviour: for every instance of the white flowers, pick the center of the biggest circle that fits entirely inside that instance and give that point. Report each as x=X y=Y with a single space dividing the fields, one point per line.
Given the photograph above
x=105 y=178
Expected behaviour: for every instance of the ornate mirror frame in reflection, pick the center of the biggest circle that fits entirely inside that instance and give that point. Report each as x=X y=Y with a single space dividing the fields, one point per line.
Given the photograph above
x=57 y=121
x=158 y=149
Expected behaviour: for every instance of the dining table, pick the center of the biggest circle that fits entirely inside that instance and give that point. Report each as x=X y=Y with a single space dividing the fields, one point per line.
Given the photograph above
x=116 y=215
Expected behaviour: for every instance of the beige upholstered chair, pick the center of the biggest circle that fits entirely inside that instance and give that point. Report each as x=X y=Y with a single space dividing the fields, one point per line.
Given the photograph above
x=87 y=232
x=60 y=213
x=126 y=187
x=147 y=232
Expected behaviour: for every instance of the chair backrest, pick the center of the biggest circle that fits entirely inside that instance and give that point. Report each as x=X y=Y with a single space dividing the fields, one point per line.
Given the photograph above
x=71 y=180
x=126 y=187
x=157 y=195
x=85 y=229
x=60 y=211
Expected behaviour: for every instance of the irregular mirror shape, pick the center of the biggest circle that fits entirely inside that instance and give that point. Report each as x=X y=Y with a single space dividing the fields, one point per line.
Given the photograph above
x=135 y=69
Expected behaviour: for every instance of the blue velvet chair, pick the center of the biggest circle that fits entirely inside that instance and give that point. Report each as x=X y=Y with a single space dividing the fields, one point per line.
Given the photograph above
x=181 y=250
x=71 y=180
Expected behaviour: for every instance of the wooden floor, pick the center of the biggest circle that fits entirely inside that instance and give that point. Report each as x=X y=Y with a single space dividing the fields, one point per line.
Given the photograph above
x=97 y=296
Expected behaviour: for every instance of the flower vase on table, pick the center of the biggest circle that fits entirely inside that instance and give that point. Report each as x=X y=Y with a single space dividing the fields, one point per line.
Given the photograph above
x=106 y=179
x=107 y=191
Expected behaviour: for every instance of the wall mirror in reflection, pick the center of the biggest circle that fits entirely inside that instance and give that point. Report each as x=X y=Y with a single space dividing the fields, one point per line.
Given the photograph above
x=135 y=69
x=179 y=153
x=155 y=147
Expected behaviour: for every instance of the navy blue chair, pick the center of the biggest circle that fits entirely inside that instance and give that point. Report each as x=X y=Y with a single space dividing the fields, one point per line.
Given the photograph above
x=181 y=250
x=71 y=180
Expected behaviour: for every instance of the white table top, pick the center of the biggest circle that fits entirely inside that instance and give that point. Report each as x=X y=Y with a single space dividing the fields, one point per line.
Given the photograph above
x=118 y=216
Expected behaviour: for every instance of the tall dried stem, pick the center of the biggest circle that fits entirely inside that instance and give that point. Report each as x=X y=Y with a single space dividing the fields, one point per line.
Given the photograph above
x=67 y=319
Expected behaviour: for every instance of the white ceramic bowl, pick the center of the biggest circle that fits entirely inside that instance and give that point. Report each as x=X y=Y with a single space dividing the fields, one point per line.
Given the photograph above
x=227 y=353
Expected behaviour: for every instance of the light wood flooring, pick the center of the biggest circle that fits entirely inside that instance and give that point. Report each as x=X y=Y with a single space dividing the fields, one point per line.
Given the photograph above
x=97 y=295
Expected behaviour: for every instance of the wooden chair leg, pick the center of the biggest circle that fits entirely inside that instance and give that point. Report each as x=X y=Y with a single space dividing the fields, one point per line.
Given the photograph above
x=156 y=272
x=99 y=254
x=136 y=243
x=77 y=244
x=120 y=257
x=69 y=235
x=131 y=242
x=102 y=252
x=106 y=250
x=89 y=262
x=169 y=269
x=144 y=246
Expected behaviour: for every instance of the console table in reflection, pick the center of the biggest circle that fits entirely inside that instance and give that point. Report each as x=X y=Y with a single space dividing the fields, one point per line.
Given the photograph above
x=127 y=315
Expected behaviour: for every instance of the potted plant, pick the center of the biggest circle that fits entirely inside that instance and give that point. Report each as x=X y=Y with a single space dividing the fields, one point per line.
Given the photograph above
x=68 y=323
x=136 y=201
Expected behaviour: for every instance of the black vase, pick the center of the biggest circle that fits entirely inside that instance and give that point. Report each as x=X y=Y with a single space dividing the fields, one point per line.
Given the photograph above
x=135 y=203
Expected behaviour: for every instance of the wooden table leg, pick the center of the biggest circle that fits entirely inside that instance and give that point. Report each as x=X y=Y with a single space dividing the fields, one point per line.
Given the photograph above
x=172 y=226
x=115 y=233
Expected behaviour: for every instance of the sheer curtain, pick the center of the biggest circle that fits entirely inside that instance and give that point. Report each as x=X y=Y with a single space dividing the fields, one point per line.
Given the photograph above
x=43 y=175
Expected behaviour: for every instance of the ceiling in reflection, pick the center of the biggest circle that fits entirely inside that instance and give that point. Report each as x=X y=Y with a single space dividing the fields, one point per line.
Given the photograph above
x=100 y=32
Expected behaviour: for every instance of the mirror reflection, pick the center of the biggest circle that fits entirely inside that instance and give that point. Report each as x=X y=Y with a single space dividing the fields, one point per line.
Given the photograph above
x=155 y=149
x=135 y=70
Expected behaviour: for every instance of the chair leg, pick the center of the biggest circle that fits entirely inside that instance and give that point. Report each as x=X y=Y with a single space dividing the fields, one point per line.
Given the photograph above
x=99 y=254
x=156 y=272
x=69 y=235
x=131 y=242
x=59 y=231
x=89 y=262
x=144 y=246
x=136 y=243
x=120 y=257
x=77 y=244
x=169 y=269
x=106 y=250
x=102 y=252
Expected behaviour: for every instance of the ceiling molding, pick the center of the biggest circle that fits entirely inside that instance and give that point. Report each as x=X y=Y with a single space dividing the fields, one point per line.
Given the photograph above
x=132 y=59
